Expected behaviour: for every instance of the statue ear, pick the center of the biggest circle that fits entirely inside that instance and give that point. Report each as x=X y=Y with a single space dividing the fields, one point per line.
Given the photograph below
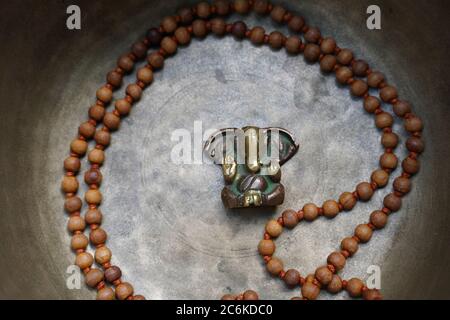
x=221 y=144
x=287 y=146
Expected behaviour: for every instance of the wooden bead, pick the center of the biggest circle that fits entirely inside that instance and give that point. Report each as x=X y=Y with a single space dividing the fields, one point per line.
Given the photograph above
x=261 y=6
x=413 y=124
x=392 y=202
x=228 y=297
x=350 y=244
x=79 y=147
x=335 y=285
x=218 y=26
x=111 y=121
x=378 y=219
x=86 y=130
x=199 y=29
x=96 y=112
x=69 y=184
x=169 y=24
x=275 y=266
x=79 y=242
x=76 y=223
x=96 y=156
x=278 y=13
x=384 y=120
x=139 y=49
x=328 y=45
x=401 y=108
x=372 y=294
x=94 y=277
x=112 y=274
x=134 y=91
x=292 y=278
x=266 y=247
x=156 y=60
x=312 y=35
x=145 y=75
x=296 y=23
x=365 y=191
x=122 y=106
x=414 y=144
x=402 y=185
x=293 y=44
x=84 y=260
x=154 y=37
x=222 y=7
x=355 y=287
x=290 y=219
x=371 y=104
x=345 y=56
x=276 y=40
x=102 y=137
x=72 y=164
x=359 y=88
x=250 y=295
x=169 y=45
x=125 y=63
x=257 y=35
x=186 y=15
x=388 y=93
x=330 y=209
x=374 y=79
x=98 y=236
x=343 y=74
x=241 y=6
x=105 y=293
x=203 y=10
x=363 y=232
x=102 y=255
x=347 y=200
x=360 y=68
x=310 y=212
x=104 y=94
x=310 y=291
x=328 y=63
x=312 y=52
x=124 y=290
x=388 y=161
x=337 y=260
x=239 y=29
x=93 y=196
x=273 y=228
x=411 y=166
x=73 y=204
x=324 y=275
x=114 y=78
x=380 y=178
x=389 y=140
x=93 y=216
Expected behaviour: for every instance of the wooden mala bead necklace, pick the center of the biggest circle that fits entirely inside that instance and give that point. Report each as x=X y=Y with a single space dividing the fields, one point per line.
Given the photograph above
x=199 y=21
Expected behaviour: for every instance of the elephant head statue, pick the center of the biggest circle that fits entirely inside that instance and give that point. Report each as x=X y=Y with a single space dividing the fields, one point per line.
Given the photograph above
x=251 y=160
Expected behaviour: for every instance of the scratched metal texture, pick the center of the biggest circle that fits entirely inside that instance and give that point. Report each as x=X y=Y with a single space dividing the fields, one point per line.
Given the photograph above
x=166 y=225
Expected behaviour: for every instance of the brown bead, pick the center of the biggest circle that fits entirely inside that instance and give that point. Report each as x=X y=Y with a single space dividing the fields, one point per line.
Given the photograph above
x=278 y=13
x=228 y=297
x=257 y=35
x=251 y=295
x=261 y=6
x=239 y=29
x=241 y=6
x=84 y=260
x=139 y=49
x=388 y=93
x=79 y=242
x=380 y=178
x=371 y=104
x=218 y=26
x=76 y=223
x=169 y=45
x=276 y=39
x=392 y=202
x=388 y=161
x=275 y=266
x=330 y=209
x=363 y=232
x=114 y=78
x=292 y=278
x=93 y=216
x=328 y=45
x=337 y=260
x=122 y=105
x=96 y=112
x=360 y=68
x=102 y=137
x=87 y=130
x=324 y=275
x=203 y=10
x=347 y=200
x=72 y=164
x=310 y=291
x=73 y=204
x=266 y=247
x=169 y=24
x=350 y=244
x=273 y=228
x=345 y=56
x=313 y=35
x=69 y=184
x=154 y=36
x=374 y=79
x=312 y=52
x=111 y=121
x=372 y=294
x=222 y=7
x=105 y=293
x=156 y=60
x=328 y=63
x=296 y=23
x=93 y=196
x=401 y=108
x=94 y=277
x=125 y=63
x=413 y=124
x=182 y=35
x=389 y=140
x=414 y=144
x=98 y=236
x=335 y=285
x=343 y=74
x=96 y=156
x=365 y=191
x=359 y=88
x=79 y=147
x=139 y=298
x=186 y=15
x=199 y=28
x=145 y=75
x=310 y=212
x=384 y=120
x=293 y=44
x=411 y=166
x=134 y=91
x=290 y=219
x=124 y=290
x=355 y=287
x=112 y=274
x=104 y=94
x=378 y=219
x=102 y=255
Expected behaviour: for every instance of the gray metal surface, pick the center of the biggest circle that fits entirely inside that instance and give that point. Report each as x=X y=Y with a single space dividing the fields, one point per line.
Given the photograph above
x=167 y=227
